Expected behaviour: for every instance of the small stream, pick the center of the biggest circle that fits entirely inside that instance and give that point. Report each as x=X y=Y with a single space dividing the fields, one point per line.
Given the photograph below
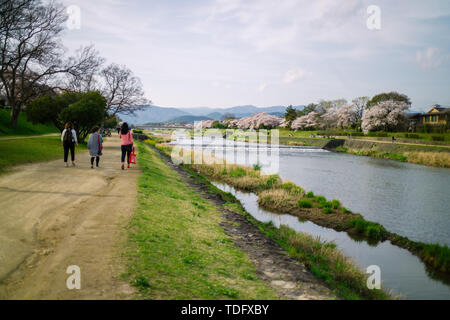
x=401 y=272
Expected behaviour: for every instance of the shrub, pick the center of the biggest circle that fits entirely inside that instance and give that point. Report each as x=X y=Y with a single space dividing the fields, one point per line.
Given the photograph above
x=320 y=199
x=377 y=134
x=345 y=210
x=371 y=229
x=303 y=203
x=335 y=203
x=437 y=138
x=327 y=210
x=327 y=204
x=310 y=194
x=292 y=188
x=272 y=181
x=412 y=136
x=357 y=134
x=137 y=131
x=256 y=167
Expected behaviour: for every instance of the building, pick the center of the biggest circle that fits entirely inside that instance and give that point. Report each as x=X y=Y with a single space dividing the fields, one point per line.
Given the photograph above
x=437 y=116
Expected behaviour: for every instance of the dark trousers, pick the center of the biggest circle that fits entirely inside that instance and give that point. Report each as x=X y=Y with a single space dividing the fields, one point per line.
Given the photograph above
x=69 y=146
x=126 y=151
x=97 y=159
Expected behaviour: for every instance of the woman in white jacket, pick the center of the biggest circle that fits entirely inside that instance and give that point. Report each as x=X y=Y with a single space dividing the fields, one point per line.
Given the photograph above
x=69 y=140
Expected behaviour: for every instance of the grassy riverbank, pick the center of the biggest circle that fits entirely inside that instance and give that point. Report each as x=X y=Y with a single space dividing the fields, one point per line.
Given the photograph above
x=323 y=259
x=23 y=151
x=177 y=250
x=435 y=156
x=423 y=152
x=285 y=197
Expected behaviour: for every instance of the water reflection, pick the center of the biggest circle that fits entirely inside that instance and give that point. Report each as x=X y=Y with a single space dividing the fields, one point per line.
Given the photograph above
x=401 y=272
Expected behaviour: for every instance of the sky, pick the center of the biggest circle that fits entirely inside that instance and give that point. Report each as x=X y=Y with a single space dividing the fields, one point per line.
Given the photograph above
x=224 y=53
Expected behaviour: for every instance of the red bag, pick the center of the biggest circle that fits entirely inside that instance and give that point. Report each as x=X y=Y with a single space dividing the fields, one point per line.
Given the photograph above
x=132 y=157
x=100 y=147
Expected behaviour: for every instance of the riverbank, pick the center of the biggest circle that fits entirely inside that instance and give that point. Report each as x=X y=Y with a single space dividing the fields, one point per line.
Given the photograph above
x=429 y=153
x=285 y=197
x=185 y=243
x=435 y=156
x=322 y=259
x=275 y=196
x=422 y=152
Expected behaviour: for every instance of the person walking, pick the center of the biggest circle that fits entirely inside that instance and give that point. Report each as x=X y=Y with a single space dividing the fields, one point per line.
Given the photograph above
x=69 y=140
x=95 y=146
x=127 y=143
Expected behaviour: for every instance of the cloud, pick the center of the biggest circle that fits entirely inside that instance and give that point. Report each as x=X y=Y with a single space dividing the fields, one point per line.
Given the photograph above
x=262 y=87
x=430 y=58
x=294 y=75
x=279 y=25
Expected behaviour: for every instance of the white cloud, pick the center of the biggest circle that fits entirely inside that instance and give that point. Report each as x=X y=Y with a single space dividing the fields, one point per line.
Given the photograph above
x=430 y=58
x=294 y=75
x=262 y=87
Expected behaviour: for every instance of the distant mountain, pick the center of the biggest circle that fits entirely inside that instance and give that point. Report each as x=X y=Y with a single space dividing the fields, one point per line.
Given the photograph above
x=153 y=114
x=188 y=119
x=238 y=111
x=215 y=115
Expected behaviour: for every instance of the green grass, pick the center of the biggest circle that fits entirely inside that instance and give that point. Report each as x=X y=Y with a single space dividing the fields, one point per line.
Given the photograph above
x=23 y=151
x=24 y=128
x=302 y=203
x=270 y=197
x=323 y=259
x=284 y=133
x=370 y=229
x=176 y=248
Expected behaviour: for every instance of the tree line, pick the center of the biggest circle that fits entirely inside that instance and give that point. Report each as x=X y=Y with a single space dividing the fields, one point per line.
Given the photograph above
x=385 y=111
x=36 y=75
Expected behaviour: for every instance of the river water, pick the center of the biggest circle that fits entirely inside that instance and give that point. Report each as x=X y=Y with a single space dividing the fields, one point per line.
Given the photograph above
x=407 y=199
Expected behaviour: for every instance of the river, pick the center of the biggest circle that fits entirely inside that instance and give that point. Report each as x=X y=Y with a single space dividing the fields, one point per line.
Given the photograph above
x=407 y=199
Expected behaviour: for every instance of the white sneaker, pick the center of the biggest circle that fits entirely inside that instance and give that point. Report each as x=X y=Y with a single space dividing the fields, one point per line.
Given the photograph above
x=67 y=165
x=73 y=164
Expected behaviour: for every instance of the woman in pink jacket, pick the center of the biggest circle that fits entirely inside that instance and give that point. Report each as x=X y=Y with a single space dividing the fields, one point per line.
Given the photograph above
x=127 y=143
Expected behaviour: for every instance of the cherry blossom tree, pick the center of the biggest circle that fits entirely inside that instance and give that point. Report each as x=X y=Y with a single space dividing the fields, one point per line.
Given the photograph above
x=328 y=119
x=257 y=121
x=386 y=115
x=346 y=116
x=309 y=121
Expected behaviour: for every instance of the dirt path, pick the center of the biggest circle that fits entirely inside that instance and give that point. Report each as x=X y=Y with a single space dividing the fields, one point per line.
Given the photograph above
x=52 y=217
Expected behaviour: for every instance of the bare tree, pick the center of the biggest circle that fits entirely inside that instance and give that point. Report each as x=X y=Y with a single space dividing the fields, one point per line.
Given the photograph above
x=123 y=90
x=31 y=52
